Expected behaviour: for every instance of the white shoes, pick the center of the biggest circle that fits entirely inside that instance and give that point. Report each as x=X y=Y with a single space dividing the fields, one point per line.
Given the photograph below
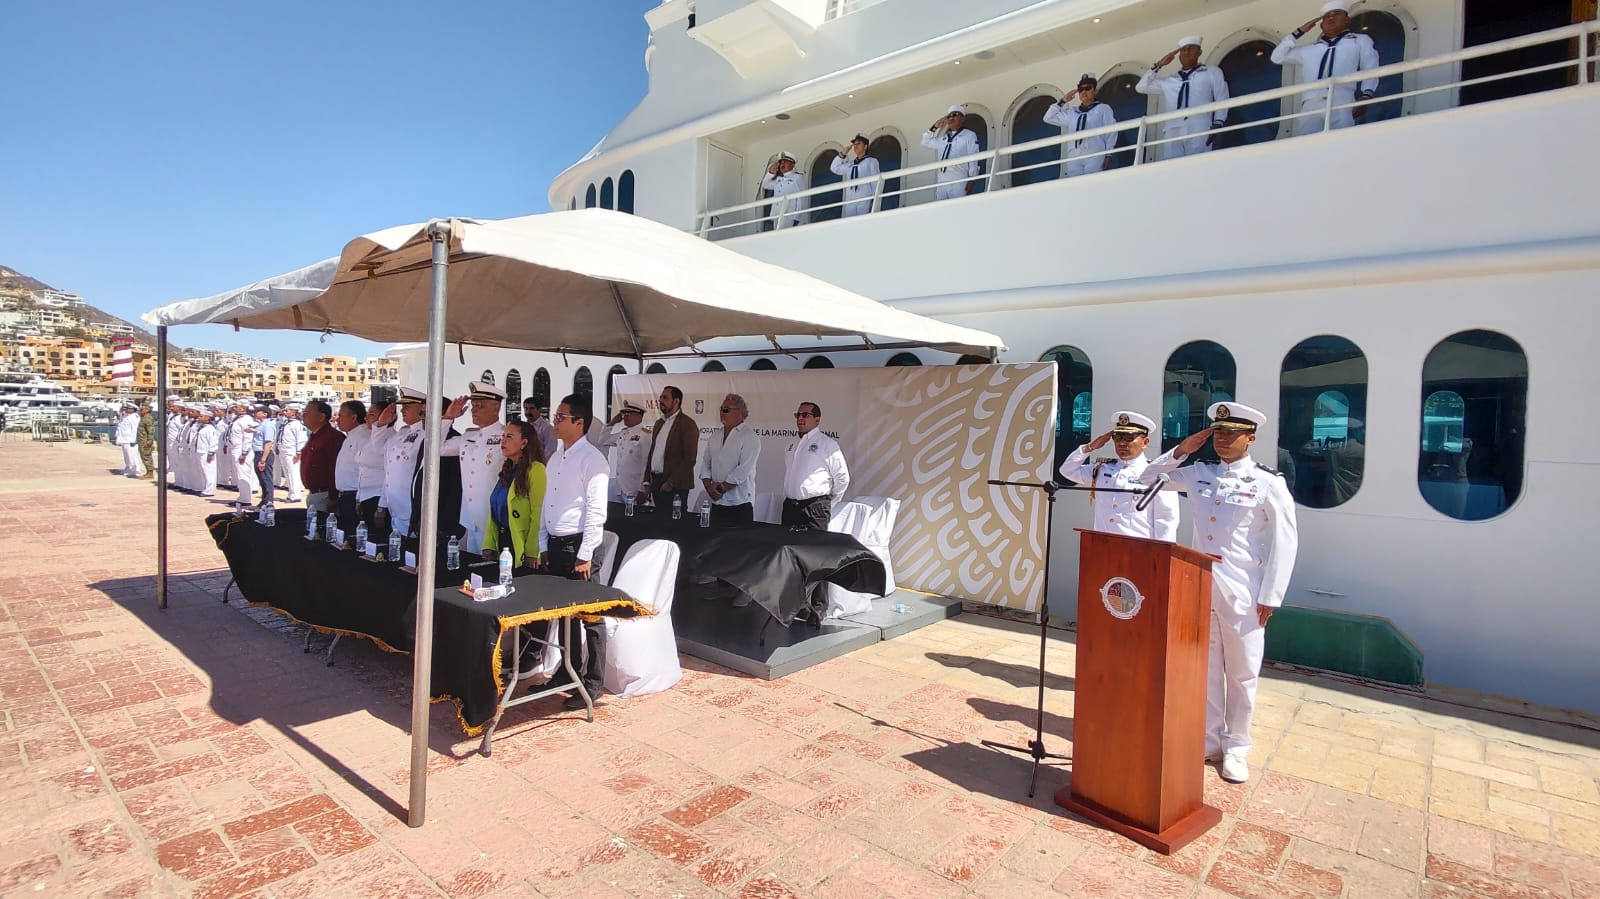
x=1235 y=770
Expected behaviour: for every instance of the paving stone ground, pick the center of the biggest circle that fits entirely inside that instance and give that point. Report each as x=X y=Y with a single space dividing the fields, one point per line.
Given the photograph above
x=198 y=752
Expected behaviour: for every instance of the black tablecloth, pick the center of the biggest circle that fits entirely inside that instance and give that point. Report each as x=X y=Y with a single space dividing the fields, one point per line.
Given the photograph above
x=337 y=591
x=771 y=563
x=467 y=634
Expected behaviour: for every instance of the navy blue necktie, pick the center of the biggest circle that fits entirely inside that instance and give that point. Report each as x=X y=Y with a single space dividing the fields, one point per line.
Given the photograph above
x=1328 y=56
x=1183 y=92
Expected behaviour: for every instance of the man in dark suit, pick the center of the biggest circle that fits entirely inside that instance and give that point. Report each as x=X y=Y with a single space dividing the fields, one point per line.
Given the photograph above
x=674 y=446
x=449 y=517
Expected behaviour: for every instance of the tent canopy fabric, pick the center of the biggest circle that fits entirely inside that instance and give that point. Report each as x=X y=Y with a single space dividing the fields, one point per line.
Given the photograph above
x=588 y=281
x=276 y=292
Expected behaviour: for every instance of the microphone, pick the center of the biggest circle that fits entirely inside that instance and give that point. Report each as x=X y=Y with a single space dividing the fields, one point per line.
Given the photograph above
x=1150 y=495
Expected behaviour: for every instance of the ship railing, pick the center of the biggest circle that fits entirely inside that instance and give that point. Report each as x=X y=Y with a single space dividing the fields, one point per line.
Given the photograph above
x=997 y=167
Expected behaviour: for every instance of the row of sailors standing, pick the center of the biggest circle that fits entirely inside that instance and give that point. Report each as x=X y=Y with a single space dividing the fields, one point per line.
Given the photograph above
x=1336 y=51
x=1243 y=514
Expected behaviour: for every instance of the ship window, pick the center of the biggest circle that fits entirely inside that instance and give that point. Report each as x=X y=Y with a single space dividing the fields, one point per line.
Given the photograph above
x=979 y=126
x=513 y=395
x=588 y=198
x=625 y=192
x=656 y=368
x=1249 y=68
x=825 y=207
x=1322 y=408
x=903 y=359
x=1128 y=105
x=1029 y=125
x=541 y=390
x=1074 y=399
x=890 y=153
x=1197 y=374
x=607 y=199
x=583 y=383
x=1389 y=38
x=572 y=203
x=763 y=365
x=611 y=386
x=1474 y=413
x=713 y=365
x=487 y=377
x=819 y=362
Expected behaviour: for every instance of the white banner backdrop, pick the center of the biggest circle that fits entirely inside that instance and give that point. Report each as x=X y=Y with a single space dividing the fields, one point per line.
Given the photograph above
x=928 y=436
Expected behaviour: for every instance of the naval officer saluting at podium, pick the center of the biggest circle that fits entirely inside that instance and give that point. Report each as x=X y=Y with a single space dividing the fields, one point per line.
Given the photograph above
x=1244 y=515
x=1117 y=512
x=481 y=459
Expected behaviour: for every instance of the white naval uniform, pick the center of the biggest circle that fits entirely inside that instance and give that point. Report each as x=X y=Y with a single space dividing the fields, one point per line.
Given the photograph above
x=481 y=461
x=1324 y=58
x=225 y=469
x=400 y=454
x=857 y=197
x=1077 y=118
x=1244 y=514
x=237 y=443
x=292 y=439
x=814 y=466
x=249 y=481
x=730 y=458
x=205 y=448
x=1184 y=90
x=789 y=212
x=1116 y=513
x=127 y=437
x=952 y=178
x=628 y=449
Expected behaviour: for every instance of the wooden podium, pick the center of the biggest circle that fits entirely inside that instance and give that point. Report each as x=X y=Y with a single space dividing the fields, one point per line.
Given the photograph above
x=1144 y=613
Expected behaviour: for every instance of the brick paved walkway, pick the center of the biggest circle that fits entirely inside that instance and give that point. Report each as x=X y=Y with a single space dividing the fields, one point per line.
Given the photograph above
x=198 y=752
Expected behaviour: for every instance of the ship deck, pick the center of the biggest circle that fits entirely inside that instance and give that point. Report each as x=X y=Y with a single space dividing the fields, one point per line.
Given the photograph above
x=198 y=751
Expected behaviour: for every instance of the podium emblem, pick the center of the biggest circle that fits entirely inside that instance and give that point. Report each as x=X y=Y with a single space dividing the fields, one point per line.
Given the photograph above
x=1121 y=598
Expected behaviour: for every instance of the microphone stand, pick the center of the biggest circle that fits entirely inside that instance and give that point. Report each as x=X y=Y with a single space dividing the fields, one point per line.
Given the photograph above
x=1035 y=748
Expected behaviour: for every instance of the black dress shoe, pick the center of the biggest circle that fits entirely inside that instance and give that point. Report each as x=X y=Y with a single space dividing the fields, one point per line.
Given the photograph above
x=573 y=702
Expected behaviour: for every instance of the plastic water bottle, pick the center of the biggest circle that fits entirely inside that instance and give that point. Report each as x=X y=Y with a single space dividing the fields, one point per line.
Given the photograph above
x=396 y=547
x=330 y=533
x=705 y=514
x=261 y=515
x=452 y=555
x=505 y=567
x=311 y=525
x=272 y=517
x=677 y=506
x=361 y=537
x=627 y=506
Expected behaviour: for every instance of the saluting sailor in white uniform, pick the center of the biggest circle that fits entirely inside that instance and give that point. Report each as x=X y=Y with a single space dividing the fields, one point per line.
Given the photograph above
x=1116 y=513
x=481 y=458
x=1085 y=113
x=951 y=140
x=626 y=439
x=292 y=439
x=1244 y=514
x=851 y=164
x=783 y=180
x=205 y=448
x=244 y=438
x=1336 y=51
x=1194 y=84
x=400 y=454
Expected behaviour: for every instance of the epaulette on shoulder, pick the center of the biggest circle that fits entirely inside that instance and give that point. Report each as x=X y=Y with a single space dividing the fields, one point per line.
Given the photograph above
x=1103 y=460
x=1270 y=470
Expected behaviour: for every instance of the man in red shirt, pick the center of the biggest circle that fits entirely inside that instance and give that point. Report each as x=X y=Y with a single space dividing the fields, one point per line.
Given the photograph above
x=318 y=456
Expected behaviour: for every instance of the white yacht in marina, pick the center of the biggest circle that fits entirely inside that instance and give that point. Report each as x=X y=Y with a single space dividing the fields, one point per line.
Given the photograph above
x=1409 y=299
x=28 y=390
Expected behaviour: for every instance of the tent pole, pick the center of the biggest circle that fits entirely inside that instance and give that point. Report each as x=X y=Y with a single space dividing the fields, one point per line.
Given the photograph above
x=622 y=313
x=428 y=536
x=160 y=412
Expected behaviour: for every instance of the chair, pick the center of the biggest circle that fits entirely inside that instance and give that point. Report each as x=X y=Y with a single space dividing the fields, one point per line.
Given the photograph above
x=769 y=507
x=642 y=653
x=605 y=558
x=869 y=519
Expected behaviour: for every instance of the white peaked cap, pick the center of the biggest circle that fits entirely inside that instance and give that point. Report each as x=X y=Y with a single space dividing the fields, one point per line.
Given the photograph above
x=1192 y=40
x=957 y=108
x=787 y=155
x=1336 y=6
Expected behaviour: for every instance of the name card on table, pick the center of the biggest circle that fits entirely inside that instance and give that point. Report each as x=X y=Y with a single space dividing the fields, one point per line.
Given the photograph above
x=411 y=561
x=370 y=551
x=338 y=538
x=477 y=581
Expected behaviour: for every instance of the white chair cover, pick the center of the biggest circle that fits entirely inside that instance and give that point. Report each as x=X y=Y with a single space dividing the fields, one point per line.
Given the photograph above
x=642 y=653
x=605 y=558
x=869 y=519
x=769 y=507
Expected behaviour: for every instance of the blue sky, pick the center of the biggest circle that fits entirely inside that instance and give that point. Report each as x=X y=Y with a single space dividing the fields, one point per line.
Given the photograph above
x=162 y=151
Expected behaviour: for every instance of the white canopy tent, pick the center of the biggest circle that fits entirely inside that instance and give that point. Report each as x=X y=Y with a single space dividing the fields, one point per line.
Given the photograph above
x=589 y=281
